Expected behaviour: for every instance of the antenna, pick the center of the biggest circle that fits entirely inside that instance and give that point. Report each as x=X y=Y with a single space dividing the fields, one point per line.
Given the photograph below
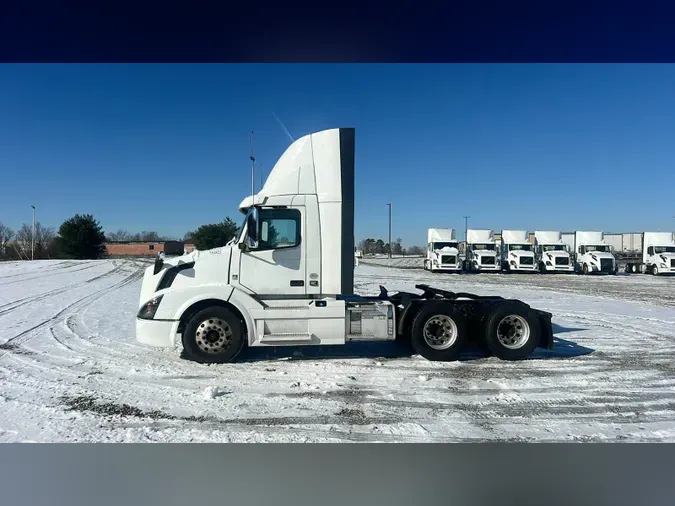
x=261 y=176
x=282 y=126
x=252 y=170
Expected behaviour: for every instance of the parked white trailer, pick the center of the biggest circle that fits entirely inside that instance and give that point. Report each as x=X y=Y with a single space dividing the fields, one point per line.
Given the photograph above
x=517 y=252
x=481 y=251
x=287 y=278
x=551 y=253
x=615 y=241
x=658 y=254
x=632 y=242
x=592 y=254
x=568 y=238
x=442 y=251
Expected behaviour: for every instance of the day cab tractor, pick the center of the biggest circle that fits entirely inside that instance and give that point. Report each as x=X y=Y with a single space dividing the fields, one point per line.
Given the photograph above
x=287 y=279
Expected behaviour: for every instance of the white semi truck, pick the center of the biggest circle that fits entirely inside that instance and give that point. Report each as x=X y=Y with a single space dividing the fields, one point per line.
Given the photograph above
x=592 y=255
x=552 y=254
x=287 y=278
x=442 y=251
x=658 y=254
x=517 y=252
x=481 y=251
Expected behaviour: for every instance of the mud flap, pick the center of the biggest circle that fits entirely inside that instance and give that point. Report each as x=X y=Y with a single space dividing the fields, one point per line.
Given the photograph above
x=546 y=338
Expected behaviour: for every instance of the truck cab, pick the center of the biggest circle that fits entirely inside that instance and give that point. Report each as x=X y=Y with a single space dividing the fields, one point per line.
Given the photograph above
x=481 y=251
x=551 y=253
x=592 y=255
x=517 y=253
x=442 y=251
x=658 y=252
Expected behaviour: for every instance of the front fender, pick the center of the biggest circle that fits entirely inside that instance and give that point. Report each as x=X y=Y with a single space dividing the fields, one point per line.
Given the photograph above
x=176 y=301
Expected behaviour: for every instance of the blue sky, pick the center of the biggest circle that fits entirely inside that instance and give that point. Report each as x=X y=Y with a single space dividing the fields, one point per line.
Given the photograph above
x=166 y=147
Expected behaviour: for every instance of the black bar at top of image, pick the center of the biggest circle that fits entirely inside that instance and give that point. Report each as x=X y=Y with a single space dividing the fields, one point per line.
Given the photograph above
x=525 y=31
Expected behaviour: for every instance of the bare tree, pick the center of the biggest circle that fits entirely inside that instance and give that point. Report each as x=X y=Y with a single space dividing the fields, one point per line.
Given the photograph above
x=119 y=235
x=44 y=236
x=6 y=235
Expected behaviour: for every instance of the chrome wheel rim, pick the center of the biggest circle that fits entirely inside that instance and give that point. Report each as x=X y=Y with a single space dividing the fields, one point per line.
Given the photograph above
x=213 y=335
x=440 y=332
x=513 y=332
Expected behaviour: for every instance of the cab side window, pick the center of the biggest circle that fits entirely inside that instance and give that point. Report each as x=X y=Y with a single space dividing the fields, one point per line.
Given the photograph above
x=278 y=228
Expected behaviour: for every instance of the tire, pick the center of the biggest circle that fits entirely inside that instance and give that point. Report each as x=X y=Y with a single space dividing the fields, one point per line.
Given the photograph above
x=506 y=345
x=542 y=268
x=585 y=269
x=426 y=326
x=655 y=270
x=209 y=324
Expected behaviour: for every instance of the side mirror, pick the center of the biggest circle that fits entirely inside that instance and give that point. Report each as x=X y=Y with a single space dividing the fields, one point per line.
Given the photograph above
x=243 y=246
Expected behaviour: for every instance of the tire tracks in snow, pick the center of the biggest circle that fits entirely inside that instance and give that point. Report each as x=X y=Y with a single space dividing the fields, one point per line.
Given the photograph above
x=56 y=272
x=17 y=304
x=30 y=333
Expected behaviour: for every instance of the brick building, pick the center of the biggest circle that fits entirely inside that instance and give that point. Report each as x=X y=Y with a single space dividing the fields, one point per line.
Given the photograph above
x=147 y=248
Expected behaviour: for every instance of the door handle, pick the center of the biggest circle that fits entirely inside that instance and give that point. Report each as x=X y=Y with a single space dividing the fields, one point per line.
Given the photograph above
x=297 y=282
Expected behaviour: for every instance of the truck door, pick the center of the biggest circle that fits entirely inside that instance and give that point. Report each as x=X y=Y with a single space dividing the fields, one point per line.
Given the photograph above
x=275 y=262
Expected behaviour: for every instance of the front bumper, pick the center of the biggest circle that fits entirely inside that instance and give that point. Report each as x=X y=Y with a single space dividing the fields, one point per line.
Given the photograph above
x=523 y=268
x=159 y=333
x=487 y=267
x=446 y=267
x=560 y=268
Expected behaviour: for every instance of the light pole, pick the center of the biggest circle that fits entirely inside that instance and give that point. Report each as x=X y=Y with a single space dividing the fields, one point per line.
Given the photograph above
x=466 y=235
x=389 y=204
x=32 y=238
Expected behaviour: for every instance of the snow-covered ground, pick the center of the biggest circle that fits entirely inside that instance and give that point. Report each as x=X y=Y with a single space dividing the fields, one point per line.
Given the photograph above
x=70 y=369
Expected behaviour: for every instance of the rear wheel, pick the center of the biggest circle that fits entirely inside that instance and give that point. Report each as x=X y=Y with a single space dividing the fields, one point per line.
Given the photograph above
x=439 y=332
x=213 y=335
x=512 y=332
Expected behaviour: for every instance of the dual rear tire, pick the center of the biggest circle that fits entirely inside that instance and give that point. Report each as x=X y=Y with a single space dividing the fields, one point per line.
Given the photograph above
x=510 y=331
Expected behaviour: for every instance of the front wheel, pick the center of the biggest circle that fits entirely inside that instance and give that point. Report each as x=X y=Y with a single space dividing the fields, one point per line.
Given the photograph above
x=439 y=332
x=214 y=335
x=655 y=270
x=512 y=332
x=585 y=269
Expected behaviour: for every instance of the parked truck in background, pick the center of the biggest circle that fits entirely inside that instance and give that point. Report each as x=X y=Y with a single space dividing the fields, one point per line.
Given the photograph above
x=442 y=251
x=517 y=252
x=658 y=254
x=287 y=279
x=551 y=253
x=592 y=255
x=481 y=251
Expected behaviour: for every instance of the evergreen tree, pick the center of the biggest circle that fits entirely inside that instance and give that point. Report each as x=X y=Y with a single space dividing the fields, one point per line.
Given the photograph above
x=81 y=237
x=215 y=235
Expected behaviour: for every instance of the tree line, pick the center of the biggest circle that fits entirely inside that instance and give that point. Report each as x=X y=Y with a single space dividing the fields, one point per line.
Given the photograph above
x=372 y=246
x=82 y=237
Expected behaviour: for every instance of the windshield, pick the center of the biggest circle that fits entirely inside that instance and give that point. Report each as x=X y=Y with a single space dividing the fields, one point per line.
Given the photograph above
x=553 y=247
x=664 y=249
x=441 y=245
x=520 y=247
x=488 y=247
x=600 y=249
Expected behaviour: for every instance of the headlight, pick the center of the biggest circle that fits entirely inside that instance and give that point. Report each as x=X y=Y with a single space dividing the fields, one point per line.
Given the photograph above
x=663 y=266
x=148 y=310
